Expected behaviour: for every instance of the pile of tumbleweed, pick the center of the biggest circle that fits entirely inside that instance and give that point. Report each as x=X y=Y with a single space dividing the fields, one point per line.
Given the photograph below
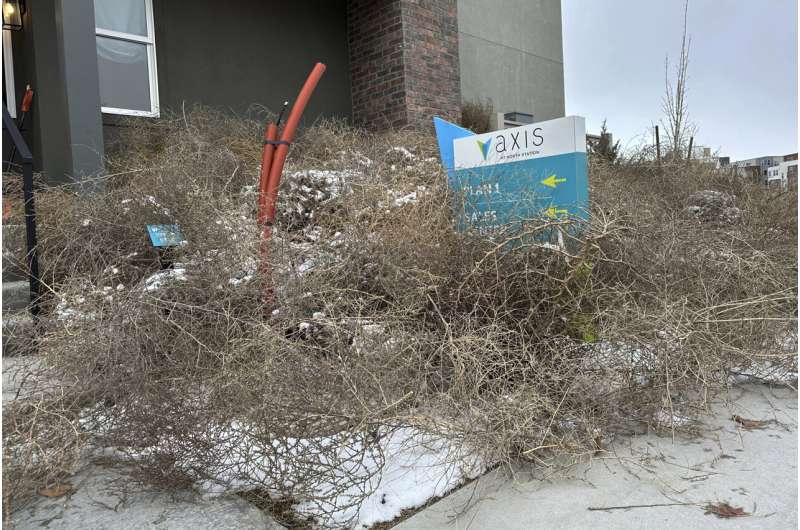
x=385 y=319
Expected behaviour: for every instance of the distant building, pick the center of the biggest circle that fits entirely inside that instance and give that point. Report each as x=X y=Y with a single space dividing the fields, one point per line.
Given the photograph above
x=783 y=175
x=791 y=170
x=592 y=140
x=757 y=168
x=705 y=155
x=774 y=177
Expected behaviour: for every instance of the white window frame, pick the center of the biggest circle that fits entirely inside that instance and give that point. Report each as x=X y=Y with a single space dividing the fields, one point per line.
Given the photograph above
x=8 y=73
x=150 y=43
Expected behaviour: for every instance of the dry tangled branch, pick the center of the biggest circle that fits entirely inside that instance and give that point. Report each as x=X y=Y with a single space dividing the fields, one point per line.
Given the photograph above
x=389 y=326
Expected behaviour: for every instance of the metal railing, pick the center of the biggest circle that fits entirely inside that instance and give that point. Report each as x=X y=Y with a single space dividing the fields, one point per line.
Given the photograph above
x=24 y=153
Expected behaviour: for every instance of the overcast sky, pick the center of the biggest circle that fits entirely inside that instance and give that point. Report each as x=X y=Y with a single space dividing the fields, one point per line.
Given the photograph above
x=742 y=69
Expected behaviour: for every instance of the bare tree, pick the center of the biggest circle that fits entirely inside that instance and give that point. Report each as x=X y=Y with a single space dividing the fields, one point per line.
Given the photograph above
x=676 y=123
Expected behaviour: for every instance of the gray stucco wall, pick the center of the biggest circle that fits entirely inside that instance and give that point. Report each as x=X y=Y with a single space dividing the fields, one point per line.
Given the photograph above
x=228 y=55
x=68 y=145
x=241 y=52
x=511 y=52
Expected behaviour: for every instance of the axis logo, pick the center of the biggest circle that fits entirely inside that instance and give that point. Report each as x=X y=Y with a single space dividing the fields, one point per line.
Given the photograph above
x=484 y=147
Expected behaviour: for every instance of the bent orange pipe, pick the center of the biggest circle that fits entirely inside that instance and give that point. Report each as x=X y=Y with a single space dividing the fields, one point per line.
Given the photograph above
x=287 y=136
x=272 y=161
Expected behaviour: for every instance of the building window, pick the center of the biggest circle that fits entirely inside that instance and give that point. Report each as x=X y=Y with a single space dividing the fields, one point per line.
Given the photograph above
x=126 y=57
x=8 y=75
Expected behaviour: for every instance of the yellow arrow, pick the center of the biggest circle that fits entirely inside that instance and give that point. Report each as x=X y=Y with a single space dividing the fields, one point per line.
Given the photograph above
x=552 y=181
x=553 y=212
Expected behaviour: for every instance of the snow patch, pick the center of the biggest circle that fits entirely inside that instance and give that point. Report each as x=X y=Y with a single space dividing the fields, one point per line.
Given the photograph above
x=155 y=281
x=415 y=467
x=247 y=273
x=351 y=480
x=403 y=151
x=406 y=199
x=401 y=198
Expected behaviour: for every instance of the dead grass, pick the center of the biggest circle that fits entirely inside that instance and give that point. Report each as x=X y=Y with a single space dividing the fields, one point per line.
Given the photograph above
x=386 y=315
x=477 y=115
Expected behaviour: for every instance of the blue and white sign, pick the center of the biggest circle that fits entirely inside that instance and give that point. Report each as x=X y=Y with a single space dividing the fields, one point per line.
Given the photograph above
x=165 y=235
x=510 y=176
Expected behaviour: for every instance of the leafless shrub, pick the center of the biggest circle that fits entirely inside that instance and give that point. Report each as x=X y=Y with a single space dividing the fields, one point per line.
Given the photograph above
x=385 y=316
x=477 y=115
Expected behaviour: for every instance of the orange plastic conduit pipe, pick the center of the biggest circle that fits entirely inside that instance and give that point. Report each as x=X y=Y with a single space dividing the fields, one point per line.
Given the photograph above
x=272 y=162
x=287 y=136
x=270 y=135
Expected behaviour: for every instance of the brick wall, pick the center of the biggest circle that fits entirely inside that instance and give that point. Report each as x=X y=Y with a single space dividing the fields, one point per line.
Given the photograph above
x=375 y=37
x=403 y=61
x=431 y=60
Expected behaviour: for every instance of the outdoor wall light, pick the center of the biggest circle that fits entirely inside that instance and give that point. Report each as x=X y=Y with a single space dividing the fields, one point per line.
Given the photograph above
x=12 y=14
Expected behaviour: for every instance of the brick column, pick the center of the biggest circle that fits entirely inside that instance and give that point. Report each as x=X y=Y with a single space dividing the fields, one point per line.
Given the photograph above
x=431 y=60
x=403 y=61
x=375 y=36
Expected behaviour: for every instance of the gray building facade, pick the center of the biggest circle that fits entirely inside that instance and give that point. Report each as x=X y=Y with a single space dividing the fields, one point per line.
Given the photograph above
x=391 y=63
x=511 y=53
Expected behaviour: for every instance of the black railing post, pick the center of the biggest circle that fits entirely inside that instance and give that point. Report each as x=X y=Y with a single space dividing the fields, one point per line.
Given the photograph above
x=30 y=209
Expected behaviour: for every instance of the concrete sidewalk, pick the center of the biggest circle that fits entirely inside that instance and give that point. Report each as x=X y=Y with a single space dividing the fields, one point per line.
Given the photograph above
x=753 y=469
x=109 y=498
x=106 y=498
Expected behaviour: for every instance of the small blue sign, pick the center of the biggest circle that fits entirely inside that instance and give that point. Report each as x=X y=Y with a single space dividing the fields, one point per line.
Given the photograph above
x=165 y=235
x=504 y=178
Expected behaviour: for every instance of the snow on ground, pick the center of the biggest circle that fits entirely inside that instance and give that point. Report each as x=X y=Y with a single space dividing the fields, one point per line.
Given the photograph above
x=155 y=281
x=76 y=305
x=417 y=468
x=358 y=157
x=401 y=198
x=408 y=155
x=765 y=371
x=246 y=274
x=406 y=199
x=146 y=200
x=407 y=469
x=331 y=180
x=66 y=308
x=347 y=482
